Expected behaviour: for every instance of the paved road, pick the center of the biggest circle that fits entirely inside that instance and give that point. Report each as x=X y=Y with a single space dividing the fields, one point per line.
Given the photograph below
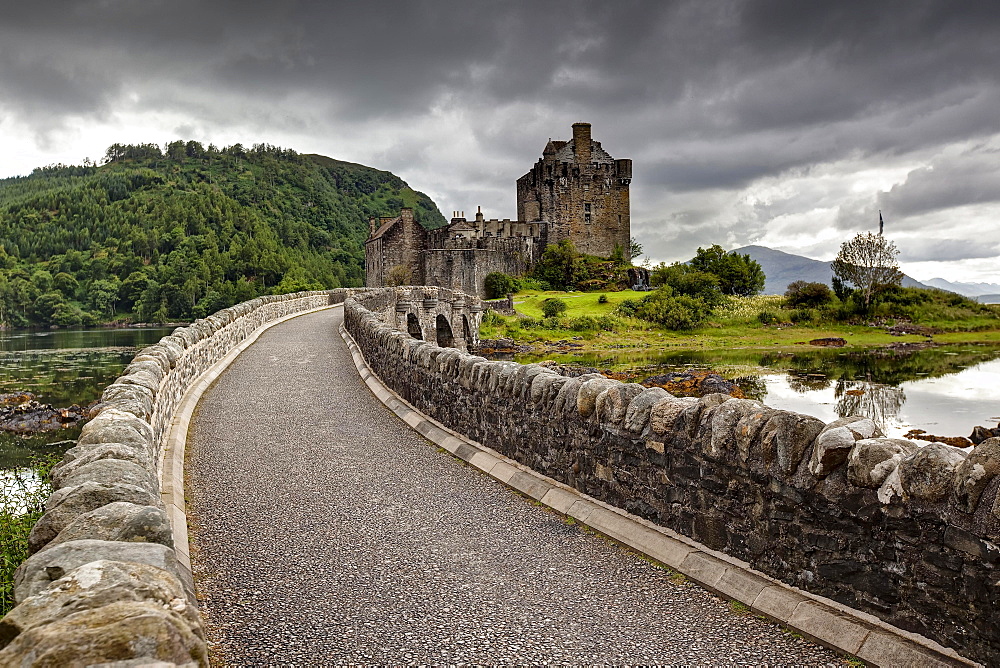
x=325 y=531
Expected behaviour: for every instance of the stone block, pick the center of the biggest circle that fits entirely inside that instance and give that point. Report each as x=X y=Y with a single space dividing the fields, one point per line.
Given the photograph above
x=882 y=649
x=786 y=437
x=43 y=568
x=586 y=401
x=108 y=472
x=613 y=403
x=68 y=503
x=871 y=460
x=834 y=443
x=665 y=412
x=929 y=473
x=119 y=521
x=829 y=626
x=976 y=472
x=637 y=414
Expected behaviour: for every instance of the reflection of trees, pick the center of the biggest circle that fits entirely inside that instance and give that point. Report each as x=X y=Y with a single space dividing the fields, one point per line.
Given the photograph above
x=753 y=387
x=879 y=402
x=803 y=382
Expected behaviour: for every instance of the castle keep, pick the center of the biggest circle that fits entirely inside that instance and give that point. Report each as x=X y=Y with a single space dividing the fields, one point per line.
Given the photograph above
x=575 y=191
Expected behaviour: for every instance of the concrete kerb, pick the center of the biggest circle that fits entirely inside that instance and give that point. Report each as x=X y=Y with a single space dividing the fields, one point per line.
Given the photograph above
x=822 y=620
x=171 y=464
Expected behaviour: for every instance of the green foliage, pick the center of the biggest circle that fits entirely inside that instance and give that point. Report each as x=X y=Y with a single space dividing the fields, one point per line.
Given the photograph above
x=553 y=307
x=169 y=235
x=673 y=311
x=801 y=293
x=634 y=248
x=16 y=522
x=684 y=279
x=560 y=266
x=767 y=318
x=738 y=274
x=628 y=307
x=603 y=299
x=498 y=285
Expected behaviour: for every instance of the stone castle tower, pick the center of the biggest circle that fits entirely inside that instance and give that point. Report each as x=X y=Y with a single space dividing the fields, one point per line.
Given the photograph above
x=576 y=191
x=581 y=191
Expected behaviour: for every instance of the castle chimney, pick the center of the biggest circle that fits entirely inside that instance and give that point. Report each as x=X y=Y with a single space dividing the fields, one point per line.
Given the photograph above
x=479 y=214
x=372 y=226
x=581 y=143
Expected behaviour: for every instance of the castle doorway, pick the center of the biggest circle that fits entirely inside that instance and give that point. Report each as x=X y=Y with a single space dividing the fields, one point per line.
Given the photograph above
x=445 y=339
x=413 y=327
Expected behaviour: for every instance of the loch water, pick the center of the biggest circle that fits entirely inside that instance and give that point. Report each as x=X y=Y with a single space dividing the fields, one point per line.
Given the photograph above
x=62 y=368
x=943 y=390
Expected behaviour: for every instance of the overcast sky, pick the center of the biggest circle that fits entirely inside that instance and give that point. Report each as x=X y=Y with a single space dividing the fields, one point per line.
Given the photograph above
x=785 y=124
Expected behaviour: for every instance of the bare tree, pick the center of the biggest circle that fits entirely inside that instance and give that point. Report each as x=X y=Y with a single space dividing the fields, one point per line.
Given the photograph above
x=868 y=262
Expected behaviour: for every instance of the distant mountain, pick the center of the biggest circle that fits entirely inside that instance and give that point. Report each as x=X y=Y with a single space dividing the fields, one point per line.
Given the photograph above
x=988 y=299
x=967 y=289
x=782 y=268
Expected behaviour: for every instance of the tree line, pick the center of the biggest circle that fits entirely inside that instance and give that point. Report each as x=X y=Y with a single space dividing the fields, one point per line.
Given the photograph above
x=168 y=234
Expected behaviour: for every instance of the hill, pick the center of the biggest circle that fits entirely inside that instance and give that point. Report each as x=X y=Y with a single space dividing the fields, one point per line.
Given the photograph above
x=988 y=290
x=782 y=268
x=176 y=234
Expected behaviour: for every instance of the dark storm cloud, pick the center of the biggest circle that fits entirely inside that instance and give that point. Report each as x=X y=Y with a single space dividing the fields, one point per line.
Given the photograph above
x=706 y=97
x=944 y=250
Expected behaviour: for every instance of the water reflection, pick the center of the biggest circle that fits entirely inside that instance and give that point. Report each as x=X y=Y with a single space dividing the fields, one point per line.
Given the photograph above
x=879 y=402
x=62 y=368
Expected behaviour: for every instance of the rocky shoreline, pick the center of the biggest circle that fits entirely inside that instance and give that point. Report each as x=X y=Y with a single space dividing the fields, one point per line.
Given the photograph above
x=21 y=413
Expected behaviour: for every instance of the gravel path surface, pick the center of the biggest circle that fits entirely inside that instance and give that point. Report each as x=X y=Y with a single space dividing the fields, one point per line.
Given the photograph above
x=325 y=531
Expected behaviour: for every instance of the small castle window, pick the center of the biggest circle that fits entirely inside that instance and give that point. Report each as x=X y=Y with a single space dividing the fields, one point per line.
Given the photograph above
x=586 y=207
x=586 y=218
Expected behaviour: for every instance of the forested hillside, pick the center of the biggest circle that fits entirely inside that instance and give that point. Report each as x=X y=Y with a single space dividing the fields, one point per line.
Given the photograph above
x=154 y=235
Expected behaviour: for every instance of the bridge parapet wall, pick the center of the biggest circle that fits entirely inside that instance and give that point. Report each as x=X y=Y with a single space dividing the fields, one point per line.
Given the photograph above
x=440 y=315
x=104 y=582
x=906 y=534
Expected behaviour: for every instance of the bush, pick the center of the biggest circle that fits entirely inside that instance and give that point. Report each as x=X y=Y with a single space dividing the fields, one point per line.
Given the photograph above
x=528 y=283
x=16 y=522
x=603 y=299
x=550 y=323
x=553 y=306
x=608 y=323
x=491 y=319
x=627 y=307
x=686 y=280
x=766 y=318
x=584 y=323
x=802 y=316
x=673 y=311
x=801 y=293
x=499 y=285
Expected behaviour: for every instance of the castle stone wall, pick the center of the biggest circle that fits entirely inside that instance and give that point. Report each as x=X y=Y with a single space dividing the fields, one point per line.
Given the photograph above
x=904 y=533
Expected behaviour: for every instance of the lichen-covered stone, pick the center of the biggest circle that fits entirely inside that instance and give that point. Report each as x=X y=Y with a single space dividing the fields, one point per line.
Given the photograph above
x=94 y=585
x=719 y=432
x=637 y=414
x=929 y=473
x=786 y=437
x=66 y=504
x=121 y=521
x=586 y=399
x=79 y=455
x=612 y=404
x=108 y=472
x=43 y=568
x=871 y=460
x=115 y=426
x=834 y=443
x=665 y=412
x=976 y=472
x=120 y=631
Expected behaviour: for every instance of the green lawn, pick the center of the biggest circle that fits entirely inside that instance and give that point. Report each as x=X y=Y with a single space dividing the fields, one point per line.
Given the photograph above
x=732 y=326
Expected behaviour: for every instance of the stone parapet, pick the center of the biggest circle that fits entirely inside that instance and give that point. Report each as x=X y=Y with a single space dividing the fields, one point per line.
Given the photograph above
x=904 y=533
x=108 y=578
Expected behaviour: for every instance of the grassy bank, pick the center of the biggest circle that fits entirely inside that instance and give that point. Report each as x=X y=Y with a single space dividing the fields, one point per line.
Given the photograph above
x=594 y=320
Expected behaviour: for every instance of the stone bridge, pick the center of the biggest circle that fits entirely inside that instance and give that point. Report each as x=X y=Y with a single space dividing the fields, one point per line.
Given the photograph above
x=320 y=525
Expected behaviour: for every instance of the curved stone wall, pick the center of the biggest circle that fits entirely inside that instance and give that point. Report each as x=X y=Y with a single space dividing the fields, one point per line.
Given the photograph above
x=906 y=533
x=104 y=582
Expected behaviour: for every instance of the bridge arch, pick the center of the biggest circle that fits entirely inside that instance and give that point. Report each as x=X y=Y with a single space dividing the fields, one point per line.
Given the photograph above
x=413 y=326
x=445 y=337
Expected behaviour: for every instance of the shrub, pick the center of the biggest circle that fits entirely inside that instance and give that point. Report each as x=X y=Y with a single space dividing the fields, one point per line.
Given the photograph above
x=684 y=279
x=802 y=316
x=608 y=323
x=673 y=311
x=553 y=306
x=550 y=323
x=801 y=293
x=584 y=323
x=766 y=318
x=627 y=307
x=498 y=285
x=491 y=319
x=528 y=283
x=603 y=299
